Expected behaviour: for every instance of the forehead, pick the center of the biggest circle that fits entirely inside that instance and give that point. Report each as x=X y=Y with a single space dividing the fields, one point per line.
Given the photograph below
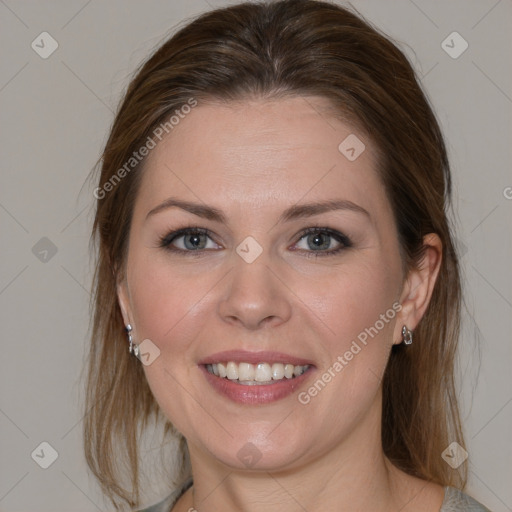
x=255 y=153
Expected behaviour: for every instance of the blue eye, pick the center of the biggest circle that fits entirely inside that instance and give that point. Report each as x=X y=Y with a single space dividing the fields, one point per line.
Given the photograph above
x=323 y=241
x=187 y=240
x=318 y=241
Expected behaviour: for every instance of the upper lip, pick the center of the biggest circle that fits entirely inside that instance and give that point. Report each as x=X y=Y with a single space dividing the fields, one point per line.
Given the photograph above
x=244 y=356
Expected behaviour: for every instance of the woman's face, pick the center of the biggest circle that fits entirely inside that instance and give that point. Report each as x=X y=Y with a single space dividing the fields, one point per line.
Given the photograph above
x=272 y=276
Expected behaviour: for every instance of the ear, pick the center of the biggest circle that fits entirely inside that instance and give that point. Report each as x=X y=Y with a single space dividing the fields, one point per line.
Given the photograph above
x=123 y=298
x=419 y=285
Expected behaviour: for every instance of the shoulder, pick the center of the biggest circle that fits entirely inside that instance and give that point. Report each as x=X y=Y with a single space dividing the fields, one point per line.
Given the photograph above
x=167 y=504
x=162 y=506
x=457 y=501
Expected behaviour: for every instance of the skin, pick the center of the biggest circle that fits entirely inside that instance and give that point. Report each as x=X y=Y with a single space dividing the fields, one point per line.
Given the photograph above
x=252 y=160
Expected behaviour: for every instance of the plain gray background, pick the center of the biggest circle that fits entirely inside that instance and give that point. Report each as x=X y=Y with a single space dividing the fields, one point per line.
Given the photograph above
x=56 y=113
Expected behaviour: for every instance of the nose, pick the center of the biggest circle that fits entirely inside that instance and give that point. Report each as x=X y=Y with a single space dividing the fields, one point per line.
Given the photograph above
x=255 y=296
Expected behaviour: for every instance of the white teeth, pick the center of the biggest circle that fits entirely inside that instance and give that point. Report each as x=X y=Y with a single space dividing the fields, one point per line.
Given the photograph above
x=262 y=373
x=246 y=371
x=232 y=370
x=221 y=369
x=288 y=371
x=277 y=371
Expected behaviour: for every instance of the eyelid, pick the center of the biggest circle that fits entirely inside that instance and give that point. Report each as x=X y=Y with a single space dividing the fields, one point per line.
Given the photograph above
x=341 y=238
x=330 y=231
x=166 y=240
x=173 y=234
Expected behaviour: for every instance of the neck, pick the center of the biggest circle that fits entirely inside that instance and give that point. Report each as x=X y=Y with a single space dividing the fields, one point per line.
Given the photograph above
x=354 y=475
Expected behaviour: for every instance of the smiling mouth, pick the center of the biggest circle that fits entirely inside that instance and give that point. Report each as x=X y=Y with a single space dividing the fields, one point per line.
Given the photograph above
x=256 y=374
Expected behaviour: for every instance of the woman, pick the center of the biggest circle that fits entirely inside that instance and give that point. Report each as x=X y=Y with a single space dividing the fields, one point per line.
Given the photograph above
x=274 y=250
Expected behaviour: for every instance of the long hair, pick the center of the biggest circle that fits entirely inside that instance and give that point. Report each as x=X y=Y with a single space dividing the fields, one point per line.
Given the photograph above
x=272 y=50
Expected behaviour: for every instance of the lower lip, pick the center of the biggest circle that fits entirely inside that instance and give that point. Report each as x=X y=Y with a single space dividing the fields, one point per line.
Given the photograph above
x=258 y=393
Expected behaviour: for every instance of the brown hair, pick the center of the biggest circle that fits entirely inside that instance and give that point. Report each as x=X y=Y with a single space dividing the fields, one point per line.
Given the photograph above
x=270 y=50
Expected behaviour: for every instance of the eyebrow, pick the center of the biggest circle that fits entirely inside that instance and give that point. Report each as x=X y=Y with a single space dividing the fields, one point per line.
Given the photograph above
x=296 y=211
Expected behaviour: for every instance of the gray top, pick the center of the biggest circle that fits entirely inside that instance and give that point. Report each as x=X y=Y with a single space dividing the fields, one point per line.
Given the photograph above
x=454 y=501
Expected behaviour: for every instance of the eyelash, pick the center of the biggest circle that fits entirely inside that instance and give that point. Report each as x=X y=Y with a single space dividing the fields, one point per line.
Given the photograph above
x=166 y=241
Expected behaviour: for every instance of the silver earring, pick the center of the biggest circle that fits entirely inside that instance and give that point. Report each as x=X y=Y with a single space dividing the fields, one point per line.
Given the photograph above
x=133 y=348
x=406 y=335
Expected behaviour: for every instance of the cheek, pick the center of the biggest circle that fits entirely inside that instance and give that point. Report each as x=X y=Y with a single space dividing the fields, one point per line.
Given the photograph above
x=169 y=308
x=169 y=304
x=359 y=308
x=352 y=299
x=356 y=356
